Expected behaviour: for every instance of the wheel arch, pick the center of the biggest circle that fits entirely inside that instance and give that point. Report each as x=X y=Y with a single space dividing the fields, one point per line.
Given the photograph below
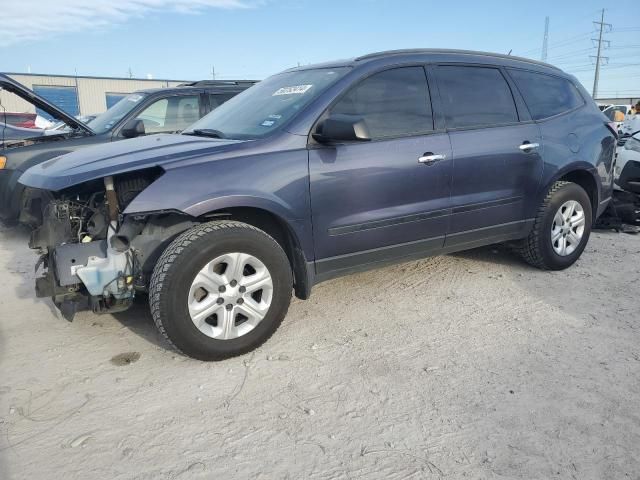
x=283 y=232
x=582 y=175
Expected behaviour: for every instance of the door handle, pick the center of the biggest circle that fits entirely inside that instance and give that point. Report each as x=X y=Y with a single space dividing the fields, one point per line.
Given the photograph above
x=429 y=158
x=526 y=146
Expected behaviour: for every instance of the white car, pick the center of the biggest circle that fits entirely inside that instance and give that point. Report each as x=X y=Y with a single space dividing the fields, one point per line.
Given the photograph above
x=631 y=125
x=627 y=169
x=624 y=111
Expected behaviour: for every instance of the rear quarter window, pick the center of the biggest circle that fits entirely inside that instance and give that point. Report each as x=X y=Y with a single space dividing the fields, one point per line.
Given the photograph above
x=546 y=95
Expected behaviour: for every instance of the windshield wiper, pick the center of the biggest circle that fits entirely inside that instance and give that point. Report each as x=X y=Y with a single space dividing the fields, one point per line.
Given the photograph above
x=206 y=132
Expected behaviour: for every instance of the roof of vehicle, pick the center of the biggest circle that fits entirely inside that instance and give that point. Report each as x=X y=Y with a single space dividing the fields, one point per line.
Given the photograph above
x=218 y=83
x=430 y=54
x=213 y=85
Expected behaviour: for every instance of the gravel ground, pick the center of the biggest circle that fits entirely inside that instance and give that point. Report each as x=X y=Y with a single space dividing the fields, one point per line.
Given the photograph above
x=471 y=365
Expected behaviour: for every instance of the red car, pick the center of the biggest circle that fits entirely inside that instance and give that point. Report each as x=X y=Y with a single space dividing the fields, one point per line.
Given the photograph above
x=23 y=120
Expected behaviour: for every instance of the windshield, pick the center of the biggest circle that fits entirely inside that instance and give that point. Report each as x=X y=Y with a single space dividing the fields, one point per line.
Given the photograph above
x=107 y=120
x=268 y=105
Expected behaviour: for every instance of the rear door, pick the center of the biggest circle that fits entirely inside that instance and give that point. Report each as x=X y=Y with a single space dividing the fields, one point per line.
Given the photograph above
x=496 y=151
x=374 y=201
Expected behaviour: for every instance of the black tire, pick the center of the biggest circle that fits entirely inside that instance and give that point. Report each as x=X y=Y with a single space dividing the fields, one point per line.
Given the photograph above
x=185 y=256
x=537 y=249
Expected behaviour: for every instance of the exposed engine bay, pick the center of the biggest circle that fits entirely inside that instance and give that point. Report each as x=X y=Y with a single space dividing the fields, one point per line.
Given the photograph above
x=90 y=250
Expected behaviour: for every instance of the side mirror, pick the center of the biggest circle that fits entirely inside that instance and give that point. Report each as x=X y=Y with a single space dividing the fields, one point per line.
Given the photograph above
x=342 y=128
x=133 y=128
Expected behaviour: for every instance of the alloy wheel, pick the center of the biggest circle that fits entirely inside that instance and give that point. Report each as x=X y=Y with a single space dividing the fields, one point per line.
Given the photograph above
x=230 y=296
x=567 y=229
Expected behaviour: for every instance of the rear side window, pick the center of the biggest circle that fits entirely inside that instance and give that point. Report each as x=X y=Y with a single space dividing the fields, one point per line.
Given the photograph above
x=545 y=95
x=393 y=103
x=217 y=99
x=475 y=96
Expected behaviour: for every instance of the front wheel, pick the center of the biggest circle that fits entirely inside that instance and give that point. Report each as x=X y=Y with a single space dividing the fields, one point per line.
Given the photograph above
x=220 y=289
x=561 y=229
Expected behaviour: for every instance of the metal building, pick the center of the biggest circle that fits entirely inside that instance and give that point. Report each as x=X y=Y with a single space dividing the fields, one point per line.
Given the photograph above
x=618 y=101
x=79 y=95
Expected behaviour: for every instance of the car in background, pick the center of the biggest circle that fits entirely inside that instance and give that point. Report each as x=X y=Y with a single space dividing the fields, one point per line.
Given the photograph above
x=11 y=132
x=82 y=118
x=161 y=110
x=627 y=169
x=617 y=114
x=19 y=119
x=624 y=210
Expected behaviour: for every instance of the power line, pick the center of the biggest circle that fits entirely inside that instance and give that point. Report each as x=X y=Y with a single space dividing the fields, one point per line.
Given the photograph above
x=560 y=43
x=607 y=67
x=625 y=29
x=571 y=54
x=577 y=39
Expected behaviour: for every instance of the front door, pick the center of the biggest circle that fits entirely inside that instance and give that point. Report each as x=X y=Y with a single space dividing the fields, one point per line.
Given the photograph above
x=387 y=198
x=497 y=160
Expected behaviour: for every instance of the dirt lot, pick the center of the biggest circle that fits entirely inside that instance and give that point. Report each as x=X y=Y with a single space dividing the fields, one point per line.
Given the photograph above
x=465 y=366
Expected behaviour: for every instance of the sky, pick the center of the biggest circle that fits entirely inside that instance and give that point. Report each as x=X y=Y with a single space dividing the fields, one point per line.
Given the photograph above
x=252 y=39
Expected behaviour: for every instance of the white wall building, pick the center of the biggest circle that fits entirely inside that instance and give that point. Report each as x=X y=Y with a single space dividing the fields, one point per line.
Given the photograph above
x=78 y=95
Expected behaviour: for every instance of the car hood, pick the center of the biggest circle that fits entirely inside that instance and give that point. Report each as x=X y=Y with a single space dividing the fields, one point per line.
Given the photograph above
x=31 y=97
x=120 y=157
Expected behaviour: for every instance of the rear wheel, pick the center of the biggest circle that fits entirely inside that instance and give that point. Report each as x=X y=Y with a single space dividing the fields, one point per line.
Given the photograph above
x=561 y=229
x=220 y=289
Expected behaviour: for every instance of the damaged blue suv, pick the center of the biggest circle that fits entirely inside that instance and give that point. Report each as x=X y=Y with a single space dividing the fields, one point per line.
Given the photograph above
x=317 y=172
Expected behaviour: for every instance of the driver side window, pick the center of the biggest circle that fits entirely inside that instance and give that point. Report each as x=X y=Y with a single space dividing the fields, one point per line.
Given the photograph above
x=392 y=103
x=154 y=116
x=172 y=114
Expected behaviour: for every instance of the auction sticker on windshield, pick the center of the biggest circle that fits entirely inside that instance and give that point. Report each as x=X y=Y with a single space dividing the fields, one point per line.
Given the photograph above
x=294 y=90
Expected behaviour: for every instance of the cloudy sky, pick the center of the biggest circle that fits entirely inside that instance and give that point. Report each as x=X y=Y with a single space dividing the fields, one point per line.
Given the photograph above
x=184 y=39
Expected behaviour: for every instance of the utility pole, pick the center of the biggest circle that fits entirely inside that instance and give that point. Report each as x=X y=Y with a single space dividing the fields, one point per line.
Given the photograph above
x=599 y=56
x=545 y=40
x=130 y=73
x=213 y=72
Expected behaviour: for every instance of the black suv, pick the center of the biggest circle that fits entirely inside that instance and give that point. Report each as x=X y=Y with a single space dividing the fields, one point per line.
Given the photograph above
x=161 y=110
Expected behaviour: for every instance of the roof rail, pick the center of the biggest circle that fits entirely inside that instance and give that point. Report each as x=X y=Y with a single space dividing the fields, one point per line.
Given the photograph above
x=217 y=83
x=445 y=50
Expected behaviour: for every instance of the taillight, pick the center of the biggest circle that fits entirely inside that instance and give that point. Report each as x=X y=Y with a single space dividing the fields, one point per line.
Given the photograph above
x=612 y=127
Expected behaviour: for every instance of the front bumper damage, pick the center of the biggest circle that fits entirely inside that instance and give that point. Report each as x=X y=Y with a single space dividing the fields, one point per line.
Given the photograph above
x=85 y=259
x=93 y=255
x=77 y=272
